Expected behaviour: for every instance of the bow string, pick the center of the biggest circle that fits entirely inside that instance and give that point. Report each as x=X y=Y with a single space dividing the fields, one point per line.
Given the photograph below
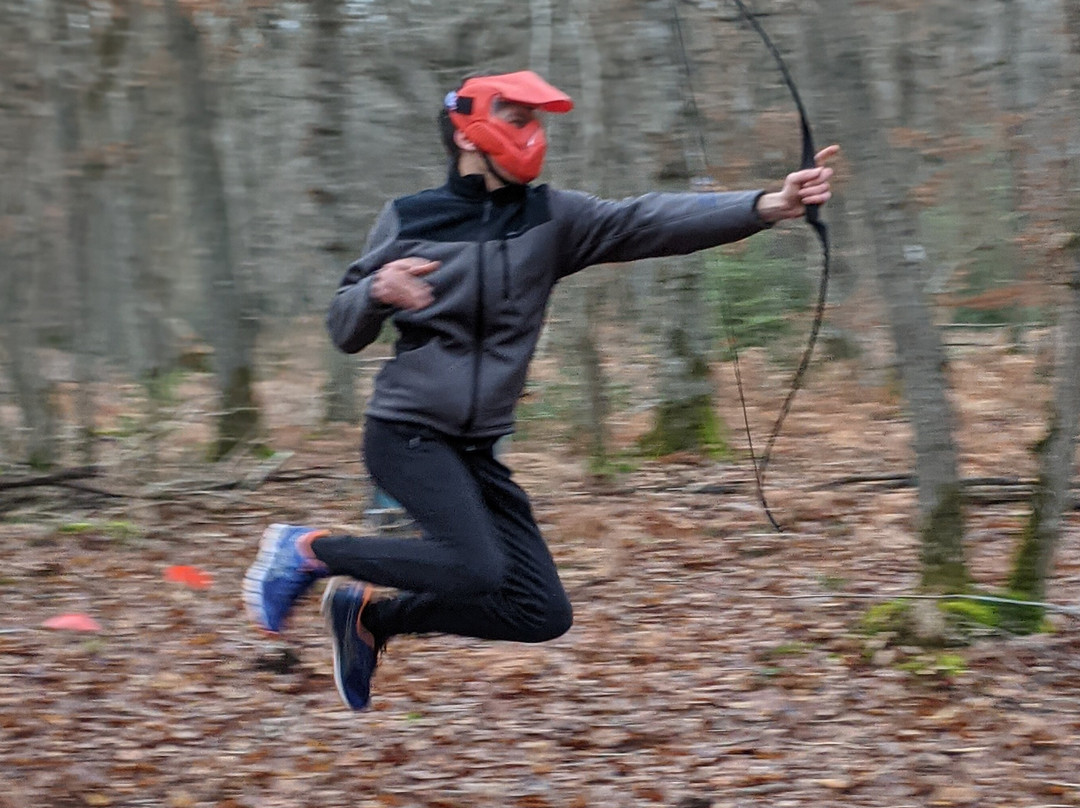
x=813 y=218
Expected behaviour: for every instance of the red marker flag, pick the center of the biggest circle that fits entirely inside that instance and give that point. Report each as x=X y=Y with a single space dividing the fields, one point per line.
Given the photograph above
x=191 y=577
x=74 y=621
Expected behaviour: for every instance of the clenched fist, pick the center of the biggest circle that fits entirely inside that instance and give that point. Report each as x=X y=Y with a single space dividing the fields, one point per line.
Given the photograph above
x=399 y=283
x=809 y=186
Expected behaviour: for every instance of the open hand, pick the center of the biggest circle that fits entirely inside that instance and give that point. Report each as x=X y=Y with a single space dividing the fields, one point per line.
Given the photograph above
x=398 y=283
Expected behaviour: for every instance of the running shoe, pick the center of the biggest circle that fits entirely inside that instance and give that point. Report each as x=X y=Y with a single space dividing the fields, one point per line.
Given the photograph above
x=281 y=573
x=356 y=652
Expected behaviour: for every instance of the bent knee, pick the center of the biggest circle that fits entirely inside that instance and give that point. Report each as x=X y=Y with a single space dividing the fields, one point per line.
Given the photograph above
x=557 y=620
x=561 y=620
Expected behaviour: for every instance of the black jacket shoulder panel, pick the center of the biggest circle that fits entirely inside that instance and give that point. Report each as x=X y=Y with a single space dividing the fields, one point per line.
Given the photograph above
x=447 y=214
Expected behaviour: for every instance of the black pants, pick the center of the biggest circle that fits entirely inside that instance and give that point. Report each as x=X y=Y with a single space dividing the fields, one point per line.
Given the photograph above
x=480 y=569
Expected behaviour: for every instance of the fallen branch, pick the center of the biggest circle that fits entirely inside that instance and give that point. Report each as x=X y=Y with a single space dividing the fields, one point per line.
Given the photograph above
x=888 y=480
x=1068 y=611
x=90 y=489
x=56 y=478
x=266 y=470
x=187 y=488
x=911 y=481
x=995 y=490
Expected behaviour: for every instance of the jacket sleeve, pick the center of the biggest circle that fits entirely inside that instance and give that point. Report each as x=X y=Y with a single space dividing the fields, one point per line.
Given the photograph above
x=355 y=319
x=600 y=231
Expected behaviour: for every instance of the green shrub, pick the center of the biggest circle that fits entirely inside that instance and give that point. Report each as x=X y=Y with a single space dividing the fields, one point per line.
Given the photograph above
x=755 y=292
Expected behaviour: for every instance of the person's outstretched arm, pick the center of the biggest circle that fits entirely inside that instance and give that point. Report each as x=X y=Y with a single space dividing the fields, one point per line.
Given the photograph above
x=598 y=231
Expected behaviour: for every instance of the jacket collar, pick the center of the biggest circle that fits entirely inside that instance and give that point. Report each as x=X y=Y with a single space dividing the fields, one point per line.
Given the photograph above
x=472 y=186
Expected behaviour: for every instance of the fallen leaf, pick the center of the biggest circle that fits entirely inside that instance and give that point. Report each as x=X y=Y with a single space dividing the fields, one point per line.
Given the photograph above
x=835 y=783
x=74 y=621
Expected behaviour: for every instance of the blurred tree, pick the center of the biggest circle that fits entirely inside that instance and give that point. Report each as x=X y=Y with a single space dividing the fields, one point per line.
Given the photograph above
x=143 y=202
x=336 y=168
x=882 y=175
x=231 y=327
x=111 y=291
x=33 y=391
x=79 y=163
x=541 y=29
x=22 y=93
x=585 y=306
x=686 y=416
x=1056 y=452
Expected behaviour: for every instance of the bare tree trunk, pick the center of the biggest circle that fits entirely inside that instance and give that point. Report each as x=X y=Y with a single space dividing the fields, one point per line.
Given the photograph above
x=33 y=392
x=335 y=166
x=66 y=80
x=540 y=30
x=1012 y=102
x=1034 y=560
x=686 y=418
x=150 y=348
x=110 y=304
x=900 y=262
x=846 y=331
x=21 y=93
x=231 y=327
x=585 y=305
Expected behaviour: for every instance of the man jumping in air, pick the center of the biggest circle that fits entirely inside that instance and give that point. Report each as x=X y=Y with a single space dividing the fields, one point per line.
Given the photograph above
x=465 y=272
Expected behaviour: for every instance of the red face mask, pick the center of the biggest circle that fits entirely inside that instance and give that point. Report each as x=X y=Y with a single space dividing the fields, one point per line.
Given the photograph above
x=516 y=152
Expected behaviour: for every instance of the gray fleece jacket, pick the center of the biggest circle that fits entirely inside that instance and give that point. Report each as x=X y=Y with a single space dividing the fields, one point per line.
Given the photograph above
x=460 y=364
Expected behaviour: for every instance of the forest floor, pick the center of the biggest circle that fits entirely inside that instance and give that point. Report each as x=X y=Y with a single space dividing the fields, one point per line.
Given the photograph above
x=712 y=661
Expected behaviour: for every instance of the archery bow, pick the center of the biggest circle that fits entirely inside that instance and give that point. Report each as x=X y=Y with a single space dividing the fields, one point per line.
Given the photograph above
x=813 y=218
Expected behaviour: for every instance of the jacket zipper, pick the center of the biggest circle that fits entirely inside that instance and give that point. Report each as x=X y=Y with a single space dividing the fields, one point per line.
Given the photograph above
x=505 y=268
x=478 y=328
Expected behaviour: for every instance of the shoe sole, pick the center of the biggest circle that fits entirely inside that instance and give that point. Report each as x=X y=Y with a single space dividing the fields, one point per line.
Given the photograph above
x=255 y=577
x=327 y=599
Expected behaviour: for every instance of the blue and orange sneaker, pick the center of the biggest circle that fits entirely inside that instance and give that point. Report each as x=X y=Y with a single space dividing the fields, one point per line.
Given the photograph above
x=356 y=651
x=282 y=571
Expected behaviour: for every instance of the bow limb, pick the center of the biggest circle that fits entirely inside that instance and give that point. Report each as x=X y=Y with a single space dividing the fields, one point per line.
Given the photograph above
x=813 y=218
